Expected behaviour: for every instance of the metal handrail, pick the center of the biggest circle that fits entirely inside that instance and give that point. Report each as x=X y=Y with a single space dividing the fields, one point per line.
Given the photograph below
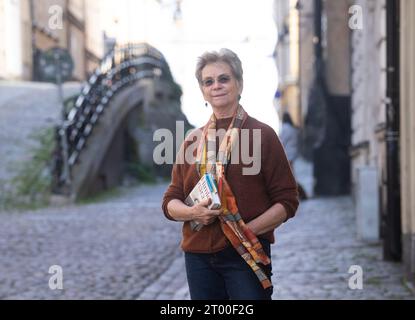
x=122 y=66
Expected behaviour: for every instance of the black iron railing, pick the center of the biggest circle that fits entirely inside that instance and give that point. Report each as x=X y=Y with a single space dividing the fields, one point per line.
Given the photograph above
x=121 y=67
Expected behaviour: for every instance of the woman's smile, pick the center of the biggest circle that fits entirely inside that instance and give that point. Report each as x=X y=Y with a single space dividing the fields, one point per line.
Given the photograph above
x=219 y=95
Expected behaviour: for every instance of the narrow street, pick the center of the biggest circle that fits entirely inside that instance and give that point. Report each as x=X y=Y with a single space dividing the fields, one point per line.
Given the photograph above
x=334 y=79
x=123 y=248
x=315 y=250
x=312 y=256
x=108 y=250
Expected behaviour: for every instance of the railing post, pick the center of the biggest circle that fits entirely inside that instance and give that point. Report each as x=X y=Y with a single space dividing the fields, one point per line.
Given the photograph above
x=66 y=177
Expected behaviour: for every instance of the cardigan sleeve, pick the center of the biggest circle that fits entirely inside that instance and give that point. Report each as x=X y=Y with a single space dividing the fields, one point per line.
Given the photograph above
x=176 y=188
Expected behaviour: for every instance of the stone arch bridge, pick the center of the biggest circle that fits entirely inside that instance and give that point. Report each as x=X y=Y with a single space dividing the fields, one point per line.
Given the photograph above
x=110 y=125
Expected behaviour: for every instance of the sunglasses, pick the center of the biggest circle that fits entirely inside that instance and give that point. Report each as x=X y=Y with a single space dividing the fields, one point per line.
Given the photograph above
x=224 y=78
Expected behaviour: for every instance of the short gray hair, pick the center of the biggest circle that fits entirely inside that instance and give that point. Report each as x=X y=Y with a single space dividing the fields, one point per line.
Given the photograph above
x=224 y=55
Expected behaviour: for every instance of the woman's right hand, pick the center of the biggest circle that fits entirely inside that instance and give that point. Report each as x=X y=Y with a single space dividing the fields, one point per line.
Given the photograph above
x=201 y=214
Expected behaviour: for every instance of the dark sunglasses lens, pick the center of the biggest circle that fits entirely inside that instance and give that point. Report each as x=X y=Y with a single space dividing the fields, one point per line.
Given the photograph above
x=207 y=83
x=224 y=79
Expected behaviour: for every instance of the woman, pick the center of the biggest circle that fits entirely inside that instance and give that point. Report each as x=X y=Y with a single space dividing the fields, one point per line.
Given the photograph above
x=289 y=139
x=229 y=257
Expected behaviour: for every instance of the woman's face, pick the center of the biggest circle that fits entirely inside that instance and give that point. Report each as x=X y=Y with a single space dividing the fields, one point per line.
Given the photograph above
x=219 y=86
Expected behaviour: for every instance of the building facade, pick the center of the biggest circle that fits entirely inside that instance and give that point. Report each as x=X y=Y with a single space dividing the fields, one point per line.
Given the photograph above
x=94 y=34
x=325 y=92
x=306 y=55
x=361 y=95
x=15 y=49
x=407 y=134
x=30 y=27
x=286 y=56
x=368 y=81
x=312 y=56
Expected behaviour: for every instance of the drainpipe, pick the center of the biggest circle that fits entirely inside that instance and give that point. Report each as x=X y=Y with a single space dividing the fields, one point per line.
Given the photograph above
x=318 y=50
x=392 y=247
x=33 y=39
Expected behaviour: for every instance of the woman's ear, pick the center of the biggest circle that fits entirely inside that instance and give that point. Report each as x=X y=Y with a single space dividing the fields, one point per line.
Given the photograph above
x=240 y=87
x=205 y=97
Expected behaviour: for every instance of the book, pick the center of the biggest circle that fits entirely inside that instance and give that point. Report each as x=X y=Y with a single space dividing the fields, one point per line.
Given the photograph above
x=206 y=188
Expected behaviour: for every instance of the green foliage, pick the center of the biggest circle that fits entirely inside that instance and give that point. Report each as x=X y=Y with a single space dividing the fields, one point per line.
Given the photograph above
x=141 y=172
x=69 y=103
x=31 y=186
x=100 y=197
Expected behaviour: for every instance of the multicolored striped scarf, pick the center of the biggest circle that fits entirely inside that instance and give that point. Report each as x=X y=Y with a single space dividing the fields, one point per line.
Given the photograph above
x=240 y=236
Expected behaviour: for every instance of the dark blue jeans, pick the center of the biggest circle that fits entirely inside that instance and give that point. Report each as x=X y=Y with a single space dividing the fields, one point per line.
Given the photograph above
x=225 y=275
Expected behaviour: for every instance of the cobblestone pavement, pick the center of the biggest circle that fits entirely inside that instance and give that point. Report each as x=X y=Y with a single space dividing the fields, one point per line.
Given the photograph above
x=124 y=248
x=315 y=250
x=311 y=260
x=108 y=250
x=312 y=256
